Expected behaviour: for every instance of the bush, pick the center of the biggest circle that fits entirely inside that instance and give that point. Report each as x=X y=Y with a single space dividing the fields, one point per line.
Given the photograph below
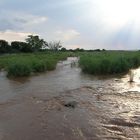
x=51 y=64
x=39 y=66
x=109 y=62
x=4 y=47
x=24 y=64
x=19 y=69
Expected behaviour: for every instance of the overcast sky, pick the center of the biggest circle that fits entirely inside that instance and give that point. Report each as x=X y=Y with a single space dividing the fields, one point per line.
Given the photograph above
x=88 y=24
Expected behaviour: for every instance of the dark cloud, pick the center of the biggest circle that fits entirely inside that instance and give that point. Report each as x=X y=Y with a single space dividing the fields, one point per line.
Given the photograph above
x=6 y=25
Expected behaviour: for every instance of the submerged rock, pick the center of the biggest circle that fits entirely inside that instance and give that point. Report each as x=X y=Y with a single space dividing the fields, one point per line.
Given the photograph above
x=71 y=104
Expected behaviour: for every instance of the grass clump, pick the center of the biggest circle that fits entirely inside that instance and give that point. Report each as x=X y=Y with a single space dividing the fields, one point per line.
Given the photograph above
x=18 y=69
x=38 y=66
x=18 y=65
x=51 y=64
x=109 y=62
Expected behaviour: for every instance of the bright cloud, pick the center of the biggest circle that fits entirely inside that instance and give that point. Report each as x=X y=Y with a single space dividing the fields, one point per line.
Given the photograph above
x=67 y=35
x=74 y=46
x=118 y=13
x=13 y=36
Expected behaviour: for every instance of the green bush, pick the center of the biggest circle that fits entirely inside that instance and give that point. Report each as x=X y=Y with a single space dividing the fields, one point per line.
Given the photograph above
x=24 y=64
x=19 y=69
x=39 y=66
x=109 y=62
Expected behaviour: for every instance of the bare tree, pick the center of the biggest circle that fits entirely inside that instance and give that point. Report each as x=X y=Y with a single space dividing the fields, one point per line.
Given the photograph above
x=54 y=45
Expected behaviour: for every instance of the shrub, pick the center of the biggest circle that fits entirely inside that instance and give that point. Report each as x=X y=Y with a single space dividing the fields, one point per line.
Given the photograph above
x=51 y=64
x=39 y=66
x=19 y=69
x=24 y=64
x=109 y=62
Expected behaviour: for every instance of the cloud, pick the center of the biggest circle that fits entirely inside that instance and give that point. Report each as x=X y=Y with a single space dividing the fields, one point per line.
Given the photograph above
x=11 y=20
x=12 y=35
x=74 y=46
x=29 y=19
x=88 y=24
x=66 y=35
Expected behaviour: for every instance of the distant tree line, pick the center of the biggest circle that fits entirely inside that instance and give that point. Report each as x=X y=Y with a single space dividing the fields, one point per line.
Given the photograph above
x=33 y=43
x=82 y=50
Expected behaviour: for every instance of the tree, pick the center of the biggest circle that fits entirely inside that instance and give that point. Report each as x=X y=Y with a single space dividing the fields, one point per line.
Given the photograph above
x=79 y=50
x=97 y=50
x=18 y=46
x=25 y=47
x=4 y=46
x=63 y=49
x=54 y=45
x=36 y=43
x=103 y=50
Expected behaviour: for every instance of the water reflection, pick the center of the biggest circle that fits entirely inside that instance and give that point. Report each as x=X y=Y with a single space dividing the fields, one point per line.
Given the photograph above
x=125 y=85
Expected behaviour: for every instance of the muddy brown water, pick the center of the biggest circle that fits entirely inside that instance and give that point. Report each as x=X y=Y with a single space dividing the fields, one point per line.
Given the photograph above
x=107 y=108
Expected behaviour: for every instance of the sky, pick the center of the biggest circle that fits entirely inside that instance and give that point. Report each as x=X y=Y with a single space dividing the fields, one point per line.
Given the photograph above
x=88 y=24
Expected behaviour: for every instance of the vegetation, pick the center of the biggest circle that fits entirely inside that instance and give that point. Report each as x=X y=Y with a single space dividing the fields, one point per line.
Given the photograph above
x=55 y=46
x=41 y=56
x=37 y=55
x=17 y=46
x=18 y=65
x=19 y=69
x=32 y=44
x=36 y=43
x=4 y=46
x=112 y=62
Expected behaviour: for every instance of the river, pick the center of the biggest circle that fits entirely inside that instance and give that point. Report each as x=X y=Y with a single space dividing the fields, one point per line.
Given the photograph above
x=41 y=107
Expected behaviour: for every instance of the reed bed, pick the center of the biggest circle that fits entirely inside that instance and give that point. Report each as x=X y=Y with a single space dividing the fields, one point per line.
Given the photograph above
x=18 y=65
x=113 y=62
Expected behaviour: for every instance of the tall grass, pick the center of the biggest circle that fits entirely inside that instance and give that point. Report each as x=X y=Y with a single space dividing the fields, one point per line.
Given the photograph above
x=25 y=64
x=91 y=62
x=109 y=62
x=19 y=69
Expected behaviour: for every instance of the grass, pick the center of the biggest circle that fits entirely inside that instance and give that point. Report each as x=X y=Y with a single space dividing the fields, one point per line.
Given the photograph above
x=19 y=69
x=18 y=65
x=100 y=63
x=114 y=62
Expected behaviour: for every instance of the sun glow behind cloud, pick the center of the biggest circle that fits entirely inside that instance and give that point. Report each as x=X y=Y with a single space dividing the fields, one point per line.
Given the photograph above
x=117 y=13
